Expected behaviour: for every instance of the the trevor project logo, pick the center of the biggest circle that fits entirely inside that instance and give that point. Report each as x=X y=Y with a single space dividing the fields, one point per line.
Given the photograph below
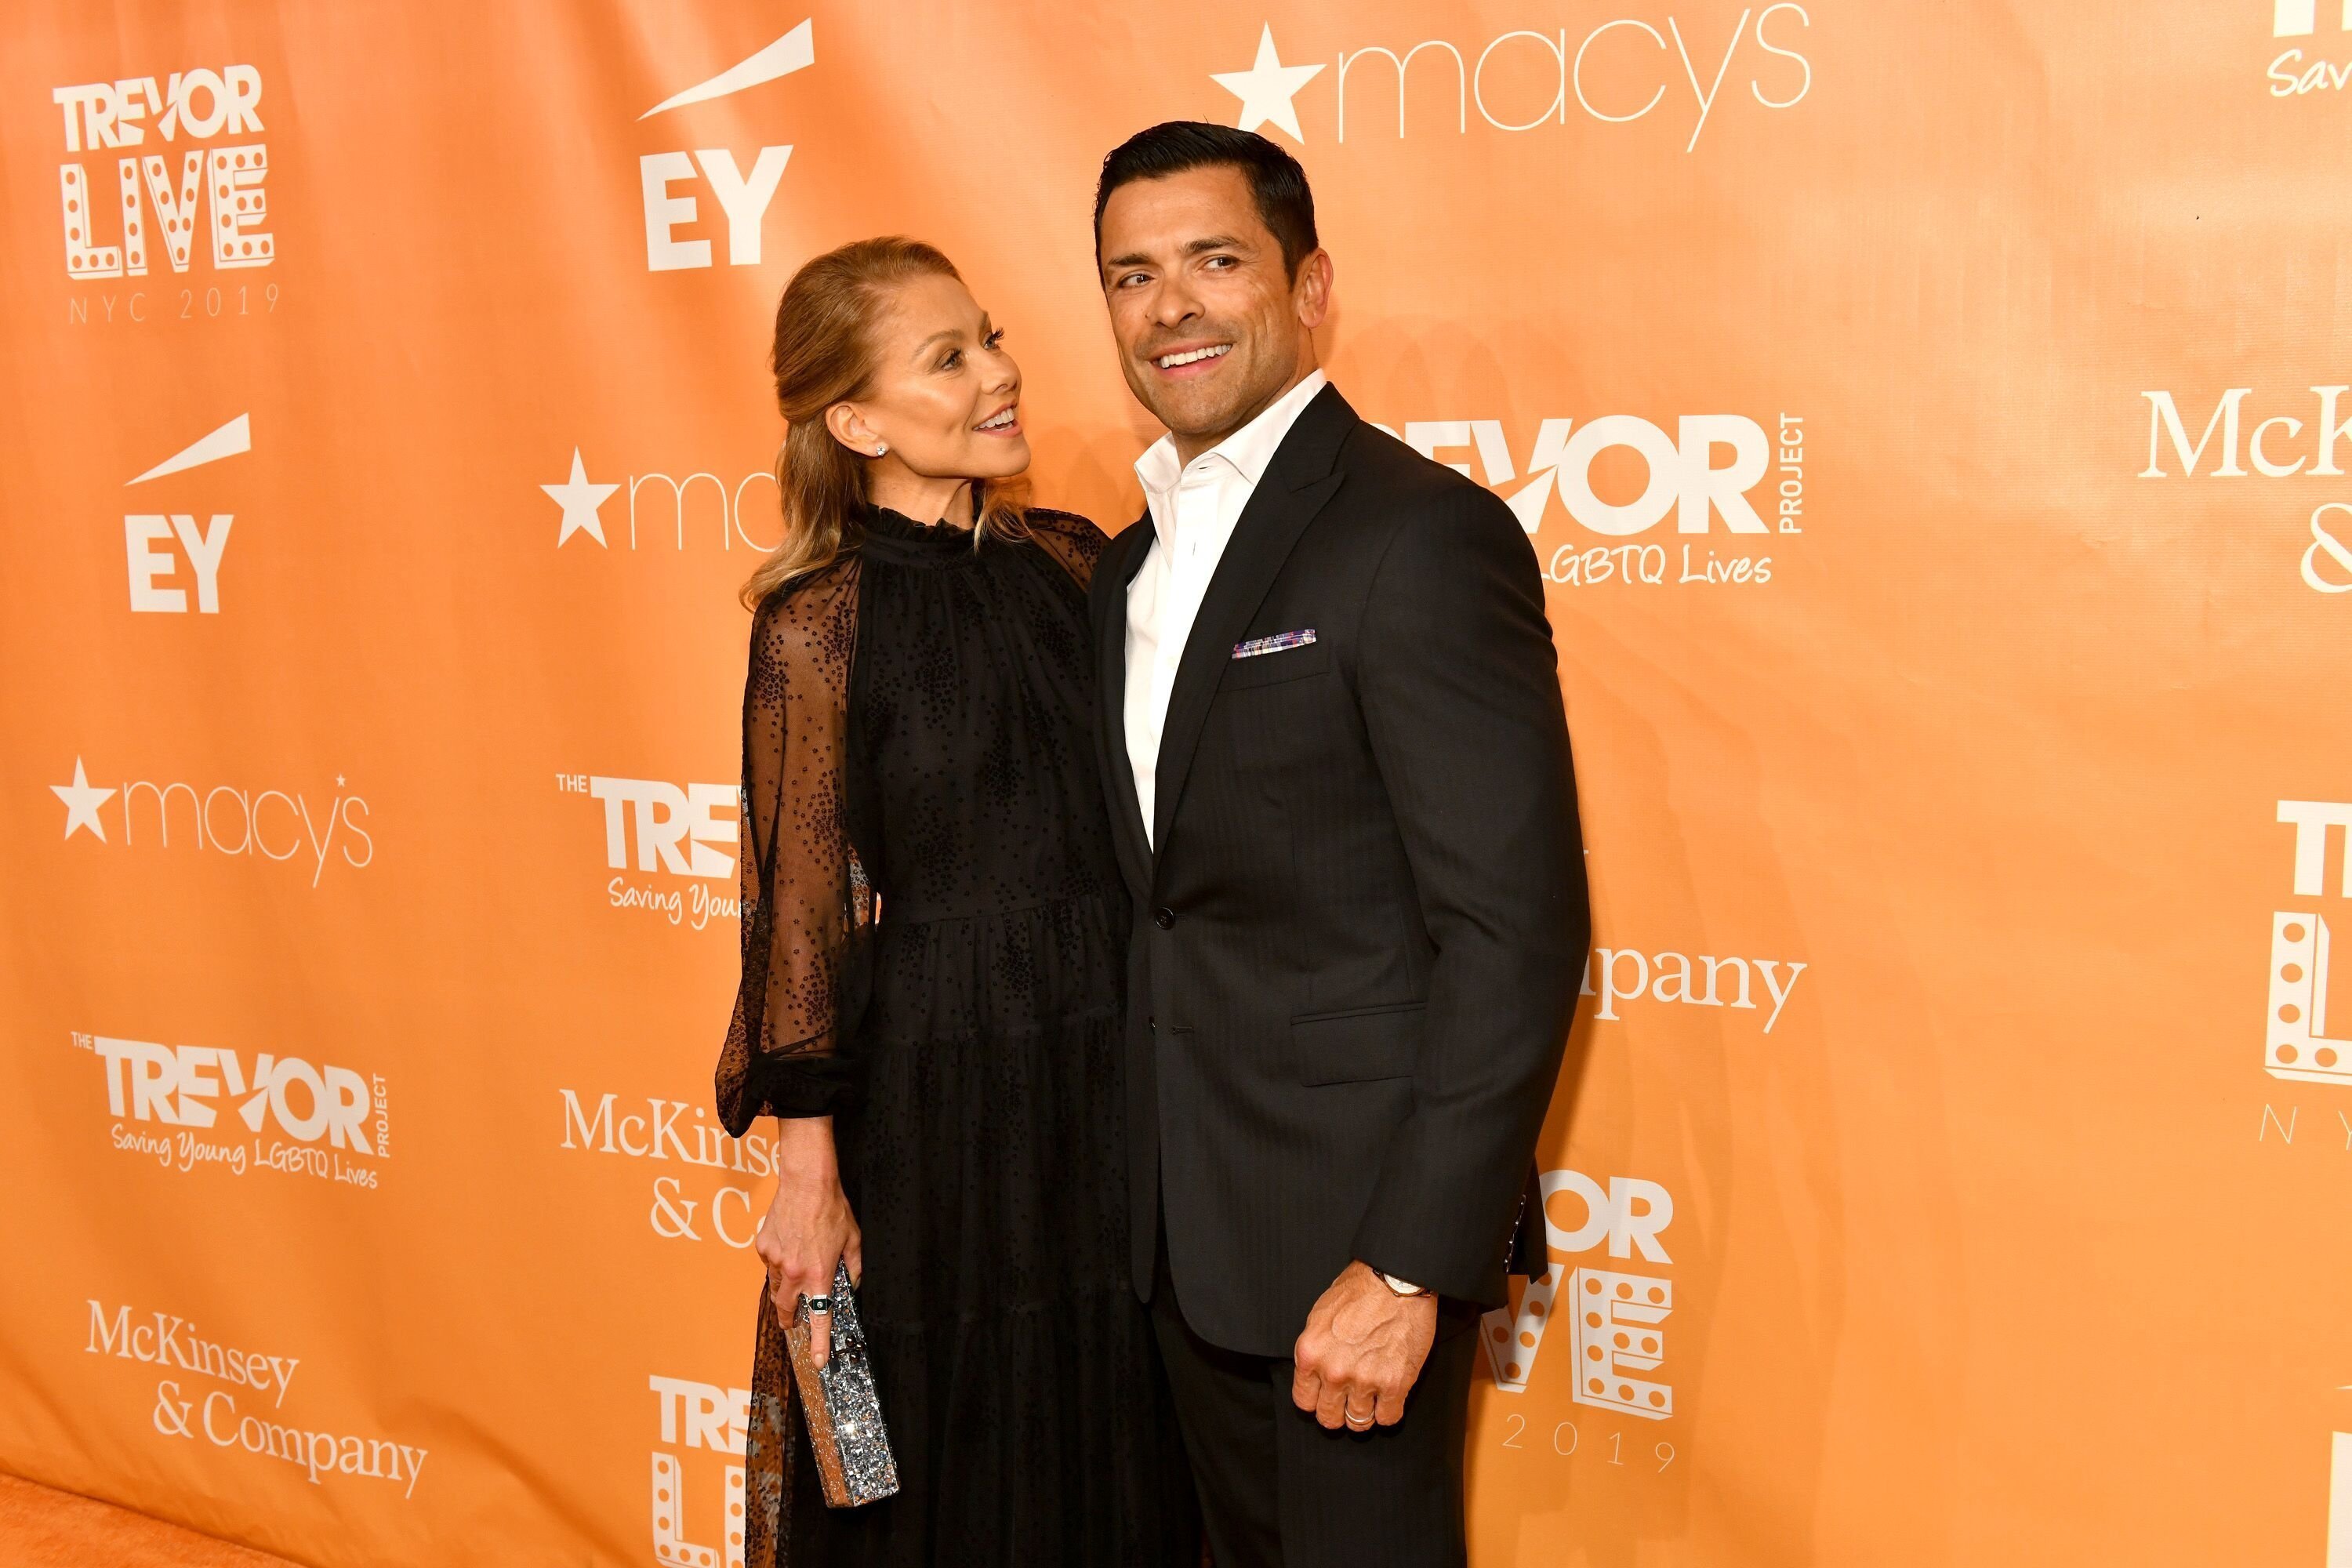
x=161 y=200
x=324 y=1121
x=2300 y=18
x=1616 y=1314
x=667 y=830
x=1723 y=471
x=740 y=195
x=149 y=536
x=2297 y=1044
x=707 y=1417
x=2292 y=76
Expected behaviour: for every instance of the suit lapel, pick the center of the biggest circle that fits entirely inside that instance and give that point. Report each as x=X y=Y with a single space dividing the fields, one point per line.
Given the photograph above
x=1119 y=565
x=1297 y=483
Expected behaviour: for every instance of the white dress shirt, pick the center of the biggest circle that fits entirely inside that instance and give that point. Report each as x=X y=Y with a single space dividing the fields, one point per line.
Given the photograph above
x=1193 y=516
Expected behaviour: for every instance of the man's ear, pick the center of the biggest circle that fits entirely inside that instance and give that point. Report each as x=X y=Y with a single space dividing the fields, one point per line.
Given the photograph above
x=1310 y=294
x=849 y=427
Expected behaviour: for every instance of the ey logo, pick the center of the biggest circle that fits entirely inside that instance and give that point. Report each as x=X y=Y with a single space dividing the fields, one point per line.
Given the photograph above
x=2300 y=18
x=741 y=196
x=2297 y=1044
x=161 y=197
x=674 y=828
x=149 y=537
x=698 y=1416
x=1615 y=1314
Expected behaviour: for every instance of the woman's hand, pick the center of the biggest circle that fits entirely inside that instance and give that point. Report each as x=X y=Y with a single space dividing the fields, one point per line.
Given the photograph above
x=809 y=1228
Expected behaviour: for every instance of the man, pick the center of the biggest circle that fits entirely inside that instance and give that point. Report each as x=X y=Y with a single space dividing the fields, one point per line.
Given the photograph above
x=1334 y=746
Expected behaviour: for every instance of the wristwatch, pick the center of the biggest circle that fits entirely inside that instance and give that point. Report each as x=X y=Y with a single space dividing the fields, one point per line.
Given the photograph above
x=1399 y=1287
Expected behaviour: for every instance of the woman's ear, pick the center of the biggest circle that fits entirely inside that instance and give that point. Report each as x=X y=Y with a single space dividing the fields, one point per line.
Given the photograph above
x=849 y=427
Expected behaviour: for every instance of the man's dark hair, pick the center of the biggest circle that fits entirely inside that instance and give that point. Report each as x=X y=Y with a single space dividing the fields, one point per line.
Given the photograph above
x=1284 y=205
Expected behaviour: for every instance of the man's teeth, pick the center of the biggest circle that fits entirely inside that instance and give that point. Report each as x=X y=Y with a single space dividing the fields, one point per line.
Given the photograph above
x=1169 y=362
x=998 y=422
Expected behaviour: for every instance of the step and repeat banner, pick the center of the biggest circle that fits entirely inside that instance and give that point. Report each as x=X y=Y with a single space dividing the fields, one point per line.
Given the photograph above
x=1932 y=420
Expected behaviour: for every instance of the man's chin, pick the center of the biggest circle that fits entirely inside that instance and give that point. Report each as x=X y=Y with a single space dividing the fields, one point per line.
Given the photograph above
x=1198 y=419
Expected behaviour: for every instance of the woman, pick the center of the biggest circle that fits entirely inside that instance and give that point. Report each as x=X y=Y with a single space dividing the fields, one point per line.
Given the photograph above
x=945 y=1067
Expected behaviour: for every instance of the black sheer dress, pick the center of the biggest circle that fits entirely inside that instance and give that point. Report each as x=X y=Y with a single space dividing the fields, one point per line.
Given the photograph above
x=932 y=951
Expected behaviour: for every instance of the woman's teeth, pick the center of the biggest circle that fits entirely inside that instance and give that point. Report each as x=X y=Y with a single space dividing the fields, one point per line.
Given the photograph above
x=998 y=422
x=1169 y=362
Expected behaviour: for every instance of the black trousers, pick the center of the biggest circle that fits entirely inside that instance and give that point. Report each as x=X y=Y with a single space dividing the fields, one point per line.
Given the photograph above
x=1278 y=1491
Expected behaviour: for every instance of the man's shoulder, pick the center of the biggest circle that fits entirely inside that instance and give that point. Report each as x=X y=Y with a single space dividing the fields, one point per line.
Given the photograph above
x=1399 y=490
x=1375 y=454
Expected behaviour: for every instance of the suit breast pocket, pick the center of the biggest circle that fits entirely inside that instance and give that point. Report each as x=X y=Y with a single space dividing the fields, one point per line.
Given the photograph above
x=1275 y=710
x=1357 y=1045
x=1272 y=668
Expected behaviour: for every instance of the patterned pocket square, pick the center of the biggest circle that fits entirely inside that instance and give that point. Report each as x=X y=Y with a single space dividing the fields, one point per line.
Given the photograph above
x=1278 y=643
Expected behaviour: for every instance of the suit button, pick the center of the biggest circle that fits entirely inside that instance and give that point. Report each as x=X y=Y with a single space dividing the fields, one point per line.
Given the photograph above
x=1152 y=1024
x=1163 y=918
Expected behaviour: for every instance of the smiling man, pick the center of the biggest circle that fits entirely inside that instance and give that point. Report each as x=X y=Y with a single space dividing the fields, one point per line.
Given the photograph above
x=1333 y=741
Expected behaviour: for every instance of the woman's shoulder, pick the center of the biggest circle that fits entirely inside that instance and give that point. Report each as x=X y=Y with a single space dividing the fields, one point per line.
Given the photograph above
x=1074 y=543
x=809 y=598
x=1066 y=524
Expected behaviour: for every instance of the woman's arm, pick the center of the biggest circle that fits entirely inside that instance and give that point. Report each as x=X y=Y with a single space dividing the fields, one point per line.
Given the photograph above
x=805 y=915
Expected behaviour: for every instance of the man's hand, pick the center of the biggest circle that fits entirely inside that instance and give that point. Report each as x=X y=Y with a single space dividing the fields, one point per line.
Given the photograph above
x=1362 y=1348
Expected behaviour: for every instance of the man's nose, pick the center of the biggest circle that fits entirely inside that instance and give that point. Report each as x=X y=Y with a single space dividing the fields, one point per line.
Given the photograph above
x=1172 y=305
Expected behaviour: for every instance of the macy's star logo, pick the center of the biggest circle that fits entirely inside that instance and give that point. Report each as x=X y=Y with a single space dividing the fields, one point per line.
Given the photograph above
x=83 y=800
x=1266 y=88
x=580 y=500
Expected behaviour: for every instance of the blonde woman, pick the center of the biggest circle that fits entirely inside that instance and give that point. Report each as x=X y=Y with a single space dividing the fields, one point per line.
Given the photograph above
x=946 y=1074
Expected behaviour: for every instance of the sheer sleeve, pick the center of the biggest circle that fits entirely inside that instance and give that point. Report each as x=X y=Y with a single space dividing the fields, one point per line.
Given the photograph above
x=1075 y=544
x=807 y=908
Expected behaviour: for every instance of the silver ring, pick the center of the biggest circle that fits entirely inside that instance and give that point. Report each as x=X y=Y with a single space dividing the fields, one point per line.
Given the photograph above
x=817 y=1305
x=1357 y=1420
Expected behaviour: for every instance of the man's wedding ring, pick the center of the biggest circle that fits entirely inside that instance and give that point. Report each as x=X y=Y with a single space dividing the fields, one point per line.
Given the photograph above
x=1356 y=1420
x=818 y=1305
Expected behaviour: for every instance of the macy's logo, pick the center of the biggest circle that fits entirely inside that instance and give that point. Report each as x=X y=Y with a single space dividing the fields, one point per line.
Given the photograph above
x=1617 y=72
x=225 y=820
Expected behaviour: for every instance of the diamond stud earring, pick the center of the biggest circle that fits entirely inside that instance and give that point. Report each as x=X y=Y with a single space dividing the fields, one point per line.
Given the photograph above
x=880 y=447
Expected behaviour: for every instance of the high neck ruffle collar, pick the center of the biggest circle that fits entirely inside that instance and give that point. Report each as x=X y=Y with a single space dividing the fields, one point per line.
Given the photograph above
x=895 y=536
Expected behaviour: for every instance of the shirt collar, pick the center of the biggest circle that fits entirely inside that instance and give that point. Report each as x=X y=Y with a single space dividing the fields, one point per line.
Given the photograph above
x=1247 y=450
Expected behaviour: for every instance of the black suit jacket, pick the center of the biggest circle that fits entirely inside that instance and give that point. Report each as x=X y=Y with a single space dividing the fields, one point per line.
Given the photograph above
x=1359 y=941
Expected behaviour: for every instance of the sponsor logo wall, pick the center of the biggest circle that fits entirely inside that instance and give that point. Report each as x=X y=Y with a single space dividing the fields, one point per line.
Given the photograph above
x=1928 y=423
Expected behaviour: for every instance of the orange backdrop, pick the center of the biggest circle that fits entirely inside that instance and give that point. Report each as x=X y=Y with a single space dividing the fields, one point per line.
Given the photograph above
x=1932 y=420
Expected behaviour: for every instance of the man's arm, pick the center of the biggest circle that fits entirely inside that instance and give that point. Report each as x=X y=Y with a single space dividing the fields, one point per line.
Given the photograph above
x=1459 y=686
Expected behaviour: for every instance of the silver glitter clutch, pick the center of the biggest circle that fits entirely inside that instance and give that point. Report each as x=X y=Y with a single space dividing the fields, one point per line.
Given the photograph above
x=844 y=1418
